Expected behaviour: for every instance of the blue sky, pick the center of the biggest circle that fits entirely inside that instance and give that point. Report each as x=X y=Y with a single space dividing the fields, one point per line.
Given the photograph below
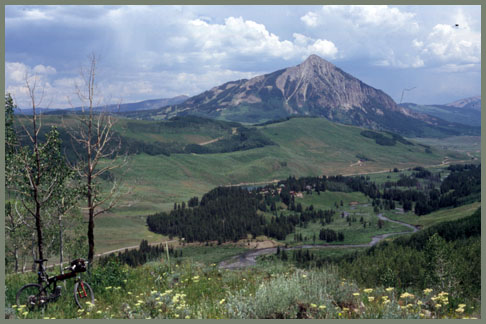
x=148 y=52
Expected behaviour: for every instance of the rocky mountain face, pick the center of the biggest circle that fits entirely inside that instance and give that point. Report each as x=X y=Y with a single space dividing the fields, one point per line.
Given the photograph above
x=315 y=87
x=471 y=103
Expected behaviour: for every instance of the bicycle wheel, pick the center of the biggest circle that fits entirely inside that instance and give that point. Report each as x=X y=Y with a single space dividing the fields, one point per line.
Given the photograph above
x=83 y=294
x=31 y=295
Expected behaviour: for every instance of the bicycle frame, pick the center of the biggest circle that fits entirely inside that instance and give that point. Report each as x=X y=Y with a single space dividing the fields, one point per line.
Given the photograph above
x=45 y=281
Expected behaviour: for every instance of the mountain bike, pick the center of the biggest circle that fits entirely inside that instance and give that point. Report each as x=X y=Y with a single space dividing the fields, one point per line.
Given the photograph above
x=46 y=290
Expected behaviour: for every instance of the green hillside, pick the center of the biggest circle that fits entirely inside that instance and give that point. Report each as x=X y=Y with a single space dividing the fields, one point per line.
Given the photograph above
x=305 y=146
x=188 y=134
x=299 y=147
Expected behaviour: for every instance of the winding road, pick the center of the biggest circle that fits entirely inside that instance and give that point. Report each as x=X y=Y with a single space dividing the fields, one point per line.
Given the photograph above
x=248 y=258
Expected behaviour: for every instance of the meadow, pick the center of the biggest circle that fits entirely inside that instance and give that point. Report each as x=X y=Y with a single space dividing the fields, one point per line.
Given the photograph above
x=191 y=290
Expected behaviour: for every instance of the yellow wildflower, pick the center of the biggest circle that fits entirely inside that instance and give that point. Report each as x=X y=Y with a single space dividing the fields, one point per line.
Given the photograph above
x=460 y=310
x=368 y=290
x=355 y=294
x=14 y=306
x=98 y=312
x=438 y=305
x=304 y=276
x=386 y=302
x=46 y=317
x=187 y=317
x=129 y=292
x=462 y=305
x=176 y=315
x=427 y=291
x=25 y=313
x=109 y=287
x=221 y=301
x=419 y=302
x=313 y=305
x=409 y=305
x=389 y=289
x=406 y=295
x=345 y=309
x=370 y=299
x=322 y=307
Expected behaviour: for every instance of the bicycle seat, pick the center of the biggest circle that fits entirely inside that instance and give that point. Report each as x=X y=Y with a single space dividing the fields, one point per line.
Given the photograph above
x=40 y=261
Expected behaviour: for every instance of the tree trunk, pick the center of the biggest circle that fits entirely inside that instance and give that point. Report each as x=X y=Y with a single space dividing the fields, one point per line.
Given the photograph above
x=38 y=225
x=33 y=254
x=16 y=255
x=90 y=224
x=60 y=245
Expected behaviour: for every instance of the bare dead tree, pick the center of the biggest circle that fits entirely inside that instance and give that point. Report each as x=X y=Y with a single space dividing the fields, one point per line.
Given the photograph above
x=97 y=151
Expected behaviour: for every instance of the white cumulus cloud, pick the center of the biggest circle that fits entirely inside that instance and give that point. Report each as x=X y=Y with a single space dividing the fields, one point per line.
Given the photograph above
x=241 y=37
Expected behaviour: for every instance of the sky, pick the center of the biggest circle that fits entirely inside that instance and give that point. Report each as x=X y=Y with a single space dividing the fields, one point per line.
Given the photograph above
x=149 y=52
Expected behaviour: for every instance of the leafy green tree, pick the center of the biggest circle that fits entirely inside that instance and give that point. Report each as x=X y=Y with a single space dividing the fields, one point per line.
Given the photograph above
x=439 y=263
x=36 y=173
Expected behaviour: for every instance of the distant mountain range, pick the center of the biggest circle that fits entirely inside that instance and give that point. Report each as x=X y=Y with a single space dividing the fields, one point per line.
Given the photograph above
x=465 y=111
x=313 y=88
x=134 y=106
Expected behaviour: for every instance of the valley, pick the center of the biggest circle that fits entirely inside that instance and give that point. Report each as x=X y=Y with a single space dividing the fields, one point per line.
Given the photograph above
x=242 y=162
x=303 y=147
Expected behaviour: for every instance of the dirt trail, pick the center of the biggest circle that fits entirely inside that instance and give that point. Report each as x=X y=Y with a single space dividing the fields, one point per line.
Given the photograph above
x=248 y=258
x=104 y=253
x=211 y=141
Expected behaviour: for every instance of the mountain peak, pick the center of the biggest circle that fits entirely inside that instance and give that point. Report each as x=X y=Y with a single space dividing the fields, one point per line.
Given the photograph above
x=314 y=59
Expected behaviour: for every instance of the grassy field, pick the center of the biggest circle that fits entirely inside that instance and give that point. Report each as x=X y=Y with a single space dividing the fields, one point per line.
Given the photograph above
x=436 y=217
x=306 y=147
x=470 y=145
x=354 y=234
